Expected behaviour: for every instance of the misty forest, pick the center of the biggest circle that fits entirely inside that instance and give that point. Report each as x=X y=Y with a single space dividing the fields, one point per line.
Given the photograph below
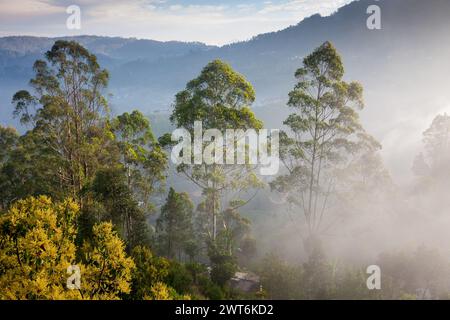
x=87 y=189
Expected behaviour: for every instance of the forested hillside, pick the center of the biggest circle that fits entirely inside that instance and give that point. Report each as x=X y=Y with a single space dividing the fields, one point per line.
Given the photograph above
x=79 y=191
x=94 y=205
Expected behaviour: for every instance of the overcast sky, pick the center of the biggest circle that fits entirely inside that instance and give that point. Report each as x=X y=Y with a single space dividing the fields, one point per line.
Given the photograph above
x=210 y=21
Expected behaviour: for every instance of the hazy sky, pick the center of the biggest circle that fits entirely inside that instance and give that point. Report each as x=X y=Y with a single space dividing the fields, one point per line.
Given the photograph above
x=209 y=21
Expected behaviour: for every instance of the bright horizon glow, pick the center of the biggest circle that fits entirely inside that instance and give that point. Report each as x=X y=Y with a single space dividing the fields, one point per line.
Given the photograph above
x=214 y=22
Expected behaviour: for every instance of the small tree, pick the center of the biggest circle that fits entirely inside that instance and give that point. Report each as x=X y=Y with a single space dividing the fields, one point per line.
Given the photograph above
x=108 y=270
x=142 y=156
x=150 y=271
x=174 y=229
x=9 y=140
x=114 y=201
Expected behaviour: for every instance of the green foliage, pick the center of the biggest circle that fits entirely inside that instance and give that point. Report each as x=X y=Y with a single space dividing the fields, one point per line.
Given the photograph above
x=351 y=285
x=174 y=230
x=88 y=183
x=420 y=273
x=73 y=150
x=8 y=141
x=67 y=115
x=158 y=278
x=220 y=98
x=179 y=278
x=109 y=270
x=247 y=251
x=150 y=270
x=209 y=289
x=223 y=264
x=30 y=168
x=318 y=278
x=324 y=135
x=279 y=279
x=142 y=156
x=110 y=189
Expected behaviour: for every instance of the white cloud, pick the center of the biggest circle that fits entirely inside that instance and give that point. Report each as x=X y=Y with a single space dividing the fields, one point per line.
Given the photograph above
x=176 y=7
x=161 y=19
x=27 y=8
x=323 y=7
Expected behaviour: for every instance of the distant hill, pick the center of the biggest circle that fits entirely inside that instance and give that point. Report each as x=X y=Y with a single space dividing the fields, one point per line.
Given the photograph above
x=404 y=67
x=118 y=55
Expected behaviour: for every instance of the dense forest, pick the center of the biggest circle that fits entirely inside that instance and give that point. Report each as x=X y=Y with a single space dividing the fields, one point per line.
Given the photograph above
x=82 y=189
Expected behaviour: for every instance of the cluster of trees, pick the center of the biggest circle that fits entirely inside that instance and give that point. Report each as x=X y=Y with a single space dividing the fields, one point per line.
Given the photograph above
x=78 y=187
x=408 y=275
